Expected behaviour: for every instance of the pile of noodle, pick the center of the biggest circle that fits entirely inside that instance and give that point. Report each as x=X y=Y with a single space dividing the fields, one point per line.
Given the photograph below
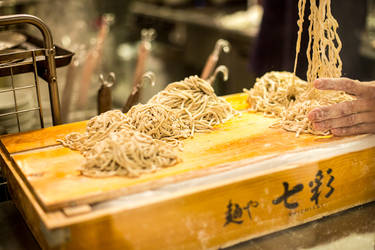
x=323 y=62
x=145 y=139
x=274 y=92
x=128 y=153
x=158 y=121
x=97 y=129
x=195 y=104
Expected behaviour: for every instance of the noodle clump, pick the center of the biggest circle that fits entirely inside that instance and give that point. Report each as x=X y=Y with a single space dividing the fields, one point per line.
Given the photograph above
x=195 y=103
x=146 y=139
x=158 y=121
x=128 y=153
x=283 y=95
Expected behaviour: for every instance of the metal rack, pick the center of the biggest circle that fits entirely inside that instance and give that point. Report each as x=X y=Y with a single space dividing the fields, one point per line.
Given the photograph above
x=41 y=60
x=40 y=57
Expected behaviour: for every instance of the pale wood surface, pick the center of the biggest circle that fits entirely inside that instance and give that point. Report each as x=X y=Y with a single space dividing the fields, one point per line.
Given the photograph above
x=197 y=220
x=15 y=235
x=193 y=218
x=40 y=138
x=54 y=177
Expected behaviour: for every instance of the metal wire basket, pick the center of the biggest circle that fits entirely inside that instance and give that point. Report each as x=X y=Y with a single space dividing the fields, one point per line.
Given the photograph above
x=40 y=60
x=40 y=57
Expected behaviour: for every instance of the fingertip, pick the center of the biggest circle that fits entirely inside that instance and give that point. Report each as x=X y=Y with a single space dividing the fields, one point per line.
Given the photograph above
x=337 y=131
x=313 y=115
x=314 y=126
x=319 y=83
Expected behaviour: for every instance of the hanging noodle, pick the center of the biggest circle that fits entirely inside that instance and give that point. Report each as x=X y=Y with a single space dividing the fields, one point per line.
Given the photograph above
x=301 y=15
x=323 y=52
x=323 y=62
x=195 y=103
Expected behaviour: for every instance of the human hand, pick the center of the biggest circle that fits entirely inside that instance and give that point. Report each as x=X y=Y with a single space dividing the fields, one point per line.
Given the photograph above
x=346 y=118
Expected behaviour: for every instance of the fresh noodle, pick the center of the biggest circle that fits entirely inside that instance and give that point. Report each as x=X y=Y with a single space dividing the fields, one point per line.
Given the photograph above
x=323 y=53
x=158 y=121
x=272 y=93
x=195 y=103
x=301 y=15
x=146 y=139
x=97 y=129
x=128 y=153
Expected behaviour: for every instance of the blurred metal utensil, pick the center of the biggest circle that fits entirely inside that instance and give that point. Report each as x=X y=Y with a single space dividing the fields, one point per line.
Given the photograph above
x=221 y=74
x=221 y=45
x=66 y=99
x=147 y=36
x=93 y=59
x=105 y=93
x=147 y=78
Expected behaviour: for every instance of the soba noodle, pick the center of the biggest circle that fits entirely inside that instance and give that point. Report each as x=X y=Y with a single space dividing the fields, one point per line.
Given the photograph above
x=145 y=139
x=97 y=129
x=158 y=121
x=195 y=103
x=128 y=153
x=323 y=61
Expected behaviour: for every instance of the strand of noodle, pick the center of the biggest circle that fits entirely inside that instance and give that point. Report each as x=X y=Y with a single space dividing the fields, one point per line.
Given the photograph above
x=301 y=14
x=272 y=92
x=145 y=140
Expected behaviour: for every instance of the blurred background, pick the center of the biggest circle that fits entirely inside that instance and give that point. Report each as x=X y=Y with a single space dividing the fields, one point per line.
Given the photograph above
x=106 y=36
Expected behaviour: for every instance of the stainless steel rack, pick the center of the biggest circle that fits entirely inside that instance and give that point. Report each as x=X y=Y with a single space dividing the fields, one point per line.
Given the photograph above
x=41 y=58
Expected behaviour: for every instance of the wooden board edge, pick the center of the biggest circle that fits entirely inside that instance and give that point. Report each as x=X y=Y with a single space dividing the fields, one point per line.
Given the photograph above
x=204 y=213
x=95 y=198
x=118 y=205
x=33 y=214
x=311 y=219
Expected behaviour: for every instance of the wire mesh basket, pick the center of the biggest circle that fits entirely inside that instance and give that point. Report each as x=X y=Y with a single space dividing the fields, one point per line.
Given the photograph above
x=20 y=54
x=38 y=58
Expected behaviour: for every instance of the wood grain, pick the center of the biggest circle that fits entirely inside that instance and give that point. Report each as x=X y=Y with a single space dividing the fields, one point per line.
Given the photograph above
x=54 y=177
x=192 y=217
x=198 y=220
x=40 y=138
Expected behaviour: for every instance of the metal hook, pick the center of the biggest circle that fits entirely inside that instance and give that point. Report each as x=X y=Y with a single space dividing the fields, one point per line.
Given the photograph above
x=147 y=36
x=108 y=18
x=134 y=96
x=224 y=70
x=223 y=45
x=110 y=81
x=105 y=92
x=148 y=77
x=220 y=69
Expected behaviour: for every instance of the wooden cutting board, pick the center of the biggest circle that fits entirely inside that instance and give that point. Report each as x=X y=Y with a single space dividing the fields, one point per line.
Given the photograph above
x=52 y=173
